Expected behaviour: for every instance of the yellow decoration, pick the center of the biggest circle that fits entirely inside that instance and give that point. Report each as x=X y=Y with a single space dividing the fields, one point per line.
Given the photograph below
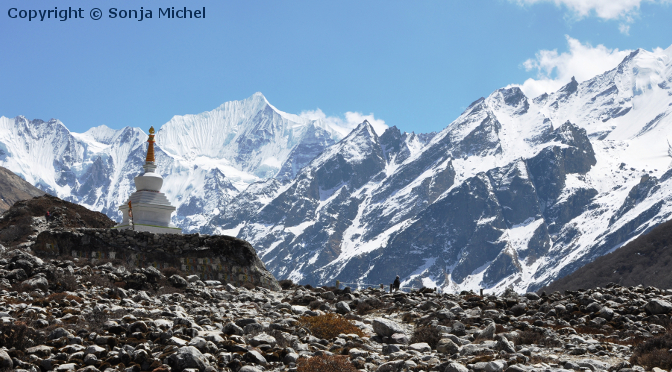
x=150 y=149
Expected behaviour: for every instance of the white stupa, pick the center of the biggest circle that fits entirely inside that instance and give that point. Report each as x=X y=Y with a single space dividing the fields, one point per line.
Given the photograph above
x=150 y=209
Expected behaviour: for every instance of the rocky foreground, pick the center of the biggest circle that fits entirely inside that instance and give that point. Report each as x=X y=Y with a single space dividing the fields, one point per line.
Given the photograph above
x=77 y=315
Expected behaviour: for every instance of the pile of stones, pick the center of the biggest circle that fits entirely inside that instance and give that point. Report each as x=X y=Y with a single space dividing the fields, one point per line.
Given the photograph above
x=192 y=325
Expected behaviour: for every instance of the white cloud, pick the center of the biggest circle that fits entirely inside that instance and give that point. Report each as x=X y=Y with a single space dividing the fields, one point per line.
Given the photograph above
x=605 y=9
x=348 y=123
x=582 y=61
x=625 y=29
x=624 y=11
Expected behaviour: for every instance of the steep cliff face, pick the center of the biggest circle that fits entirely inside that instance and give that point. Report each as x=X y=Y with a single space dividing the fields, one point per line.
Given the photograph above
x=13 y=188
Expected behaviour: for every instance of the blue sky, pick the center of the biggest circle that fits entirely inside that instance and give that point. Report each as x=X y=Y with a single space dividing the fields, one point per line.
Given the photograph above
x=413 y=64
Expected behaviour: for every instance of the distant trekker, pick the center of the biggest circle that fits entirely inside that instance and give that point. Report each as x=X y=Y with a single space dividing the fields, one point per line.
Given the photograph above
x=396 y=284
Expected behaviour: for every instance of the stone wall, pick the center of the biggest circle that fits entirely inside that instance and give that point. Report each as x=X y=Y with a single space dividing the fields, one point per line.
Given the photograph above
x=211 y=257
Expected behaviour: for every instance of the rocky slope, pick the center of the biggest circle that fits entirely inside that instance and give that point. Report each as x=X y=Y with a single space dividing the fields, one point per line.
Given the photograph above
x=21 y=224
x=646 y=260
x=65 y=315
x=13 y=189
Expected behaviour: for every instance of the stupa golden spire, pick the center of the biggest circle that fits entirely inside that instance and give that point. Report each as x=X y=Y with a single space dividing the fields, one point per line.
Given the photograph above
x=150 y=149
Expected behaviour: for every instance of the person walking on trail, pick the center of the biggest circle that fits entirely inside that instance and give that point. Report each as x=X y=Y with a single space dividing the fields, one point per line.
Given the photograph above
x=396 y=284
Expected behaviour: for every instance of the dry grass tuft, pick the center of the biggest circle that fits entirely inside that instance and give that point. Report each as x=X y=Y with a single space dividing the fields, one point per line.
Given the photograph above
x=654 y=352
x=329 y=326
x=427 y=334
x=19 y=335
x=326 y=363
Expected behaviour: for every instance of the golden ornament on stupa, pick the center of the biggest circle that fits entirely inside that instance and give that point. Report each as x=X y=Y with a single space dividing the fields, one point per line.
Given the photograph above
x=150 y=149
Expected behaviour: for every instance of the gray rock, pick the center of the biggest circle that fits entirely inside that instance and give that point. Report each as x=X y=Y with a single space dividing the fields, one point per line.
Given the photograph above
x=342 y=307
x=263 y=338
x=393 y=366
x=198 y=342
x=594 y=307
x=399 y=338
x=447 y=346
x=187 y=357
x=58 y=333
x=495 y=366
x=458 y=329
x=192 y=278
x=606 y=313
x=488 y=333
x=90 y=359
x=385 y=327
x=39 y=282
x=41 y=351
x=389 y=349
x=532 y=296
x=66 y=367
x=5 y=360
x=453 y=367
x=420 y=347
x=253 y=328
x=658 y=306
x=95 y=350
x=255 y=357
x=291 y=358
x=504 y=344
x=178 y=281
x=593 y=364
x=249 y=369
x=232 y=329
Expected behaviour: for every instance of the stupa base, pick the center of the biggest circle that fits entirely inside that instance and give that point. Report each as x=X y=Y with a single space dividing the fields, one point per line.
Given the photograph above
x=151 y=228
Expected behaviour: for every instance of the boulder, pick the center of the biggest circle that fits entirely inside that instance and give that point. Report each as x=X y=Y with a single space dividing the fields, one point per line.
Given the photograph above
x=5 y=360
x=385 y=327
x=447 y=346
x=187 y=357
x=658 y=306
x=178 y=281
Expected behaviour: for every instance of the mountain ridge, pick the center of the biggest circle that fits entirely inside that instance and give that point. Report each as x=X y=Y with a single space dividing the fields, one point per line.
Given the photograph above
x=517 y=191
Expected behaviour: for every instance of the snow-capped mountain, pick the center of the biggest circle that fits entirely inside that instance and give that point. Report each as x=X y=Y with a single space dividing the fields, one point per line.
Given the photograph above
x=206 y=159
x=516 y=191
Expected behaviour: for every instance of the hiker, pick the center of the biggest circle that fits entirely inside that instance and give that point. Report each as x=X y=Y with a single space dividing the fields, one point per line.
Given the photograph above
x=395 y=286
x=48 y=216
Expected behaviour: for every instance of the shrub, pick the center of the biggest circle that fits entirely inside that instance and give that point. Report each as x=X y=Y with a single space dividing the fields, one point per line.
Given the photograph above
x=536 y=338
x=329 y=325
x=286 y=284
x=249 y=286
x=66 y=282
x=427 y=334
x=170 y=271
x=97 y=280
x=654 y=352
x=326 y=363
x=19 y=335
x=363 y=308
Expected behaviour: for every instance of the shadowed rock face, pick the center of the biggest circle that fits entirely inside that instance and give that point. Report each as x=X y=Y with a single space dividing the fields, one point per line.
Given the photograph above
x=13 y=188
x=223 y=258
x=644 y=261
x=26 y=218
